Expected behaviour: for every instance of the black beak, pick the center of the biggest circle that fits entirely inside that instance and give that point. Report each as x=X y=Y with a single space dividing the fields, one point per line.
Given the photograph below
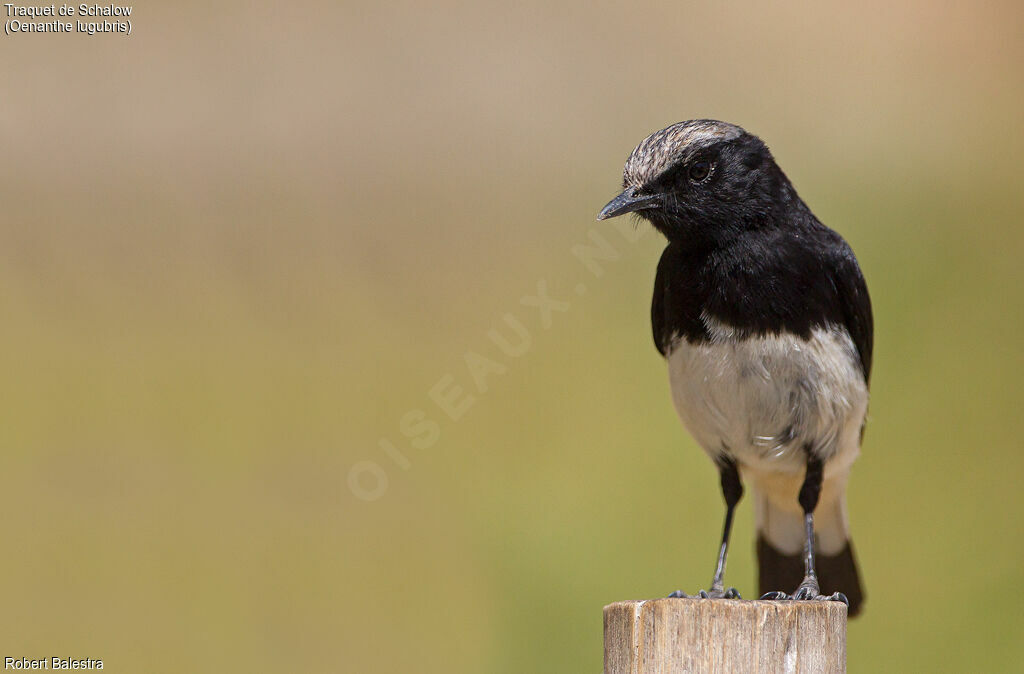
x=629 y=202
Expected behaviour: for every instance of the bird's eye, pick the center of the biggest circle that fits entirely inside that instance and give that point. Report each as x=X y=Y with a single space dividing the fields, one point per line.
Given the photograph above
x=699 y=171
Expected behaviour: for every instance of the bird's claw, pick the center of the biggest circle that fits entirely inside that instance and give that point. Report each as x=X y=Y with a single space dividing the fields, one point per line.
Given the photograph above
x=806 y=594
x=838 y=596
x=731 y=593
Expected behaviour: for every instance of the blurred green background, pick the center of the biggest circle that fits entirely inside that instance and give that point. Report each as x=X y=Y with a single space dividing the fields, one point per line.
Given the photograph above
x=240 y=246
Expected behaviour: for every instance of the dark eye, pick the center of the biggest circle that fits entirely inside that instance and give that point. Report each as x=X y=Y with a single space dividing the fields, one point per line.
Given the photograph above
x=699 y=171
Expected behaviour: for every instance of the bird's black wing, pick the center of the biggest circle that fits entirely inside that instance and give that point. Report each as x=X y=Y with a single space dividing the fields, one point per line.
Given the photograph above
x=853 y=297
x=658 y=309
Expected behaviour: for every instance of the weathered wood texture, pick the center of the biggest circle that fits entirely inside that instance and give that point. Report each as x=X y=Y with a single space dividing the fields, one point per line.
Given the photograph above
x=724 y=635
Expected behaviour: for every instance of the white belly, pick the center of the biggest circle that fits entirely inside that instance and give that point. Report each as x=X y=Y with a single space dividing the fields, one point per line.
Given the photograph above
x=763 y=400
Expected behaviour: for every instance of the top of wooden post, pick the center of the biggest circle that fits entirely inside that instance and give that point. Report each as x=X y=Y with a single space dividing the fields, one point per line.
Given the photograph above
x=724 y=635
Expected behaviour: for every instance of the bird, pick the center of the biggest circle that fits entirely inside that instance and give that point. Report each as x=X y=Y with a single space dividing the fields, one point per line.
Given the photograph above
x=763 y=317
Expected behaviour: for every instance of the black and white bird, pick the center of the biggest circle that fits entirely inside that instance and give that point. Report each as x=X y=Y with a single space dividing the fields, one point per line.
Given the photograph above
x=763 y=316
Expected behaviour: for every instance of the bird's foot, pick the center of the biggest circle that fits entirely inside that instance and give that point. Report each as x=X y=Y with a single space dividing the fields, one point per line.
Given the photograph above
x=731 y=593
x=808 y=591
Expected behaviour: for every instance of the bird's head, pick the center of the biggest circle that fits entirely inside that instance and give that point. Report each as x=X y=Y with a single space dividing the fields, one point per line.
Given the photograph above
x=702 y=181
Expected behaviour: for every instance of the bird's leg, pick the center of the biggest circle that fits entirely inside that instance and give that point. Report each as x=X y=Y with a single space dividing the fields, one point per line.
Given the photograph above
x=732 y=490
x=809 y=493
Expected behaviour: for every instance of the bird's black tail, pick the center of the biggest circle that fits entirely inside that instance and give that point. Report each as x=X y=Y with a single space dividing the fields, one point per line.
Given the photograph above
x=836 y=573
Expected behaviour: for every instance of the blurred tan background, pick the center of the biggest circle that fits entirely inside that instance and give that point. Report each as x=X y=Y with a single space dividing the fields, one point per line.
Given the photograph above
x=239 y=247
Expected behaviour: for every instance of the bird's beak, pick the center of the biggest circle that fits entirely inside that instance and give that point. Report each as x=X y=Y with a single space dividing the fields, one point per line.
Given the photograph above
x=629 y=202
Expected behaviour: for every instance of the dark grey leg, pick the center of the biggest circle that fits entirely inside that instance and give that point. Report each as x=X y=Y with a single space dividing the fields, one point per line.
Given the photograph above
x=809 y=494
x=732 y=490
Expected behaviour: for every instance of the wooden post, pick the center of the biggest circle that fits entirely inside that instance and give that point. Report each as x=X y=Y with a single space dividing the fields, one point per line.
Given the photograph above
x=724 y=635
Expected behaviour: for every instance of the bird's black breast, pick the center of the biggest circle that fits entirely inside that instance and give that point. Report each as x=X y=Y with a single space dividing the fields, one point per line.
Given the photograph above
x=766 y=282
